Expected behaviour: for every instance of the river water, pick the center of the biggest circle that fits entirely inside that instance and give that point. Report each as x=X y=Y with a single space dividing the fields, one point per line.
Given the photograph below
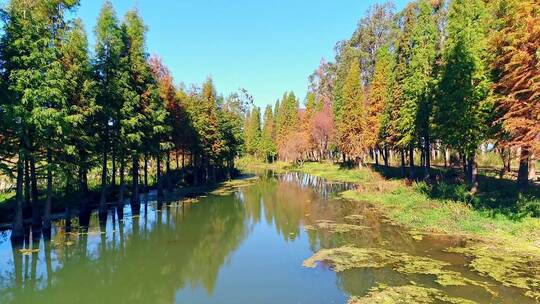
x=247 y=246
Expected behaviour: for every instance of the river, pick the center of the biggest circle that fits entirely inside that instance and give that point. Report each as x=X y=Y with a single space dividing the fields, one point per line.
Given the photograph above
x=246 y=246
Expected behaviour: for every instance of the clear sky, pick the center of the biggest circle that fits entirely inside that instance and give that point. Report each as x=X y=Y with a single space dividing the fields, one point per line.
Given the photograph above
x=265 y=46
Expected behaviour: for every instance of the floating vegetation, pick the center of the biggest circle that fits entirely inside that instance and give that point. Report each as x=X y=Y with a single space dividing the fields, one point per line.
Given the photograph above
x=28 y=251
x=228 y=188
x=241 y=182
x=416 y=235
x=355 y=218
x=222 y=192
x=511 y=268
x=348 y=257
x=310 y=227
x=334 y=227
x=406 y=294
x=190 y=200
x=91 y=232
x=423 y=265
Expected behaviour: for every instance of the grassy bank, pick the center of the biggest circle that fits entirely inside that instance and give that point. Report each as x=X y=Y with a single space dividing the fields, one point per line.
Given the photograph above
x=441 y=207
x=253 y=164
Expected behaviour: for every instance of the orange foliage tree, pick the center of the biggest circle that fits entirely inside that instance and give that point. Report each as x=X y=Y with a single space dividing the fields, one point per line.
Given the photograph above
x=518 y=84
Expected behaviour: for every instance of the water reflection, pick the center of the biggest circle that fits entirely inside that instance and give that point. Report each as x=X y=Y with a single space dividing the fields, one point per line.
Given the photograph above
x=142 y=259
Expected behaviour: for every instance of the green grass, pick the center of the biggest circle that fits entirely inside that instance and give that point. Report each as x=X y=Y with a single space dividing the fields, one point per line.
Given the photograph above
x=335 y=173
x=497 y=212
x=253 y=164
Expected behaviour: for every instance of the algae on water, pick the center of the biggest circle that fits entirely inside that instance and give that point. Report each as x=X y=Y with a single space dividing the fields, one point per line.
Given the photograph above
x=354 y=218
x=349 y=257
x=406 y=294
x=512 y=268
x=334 y=227
x=228 y=188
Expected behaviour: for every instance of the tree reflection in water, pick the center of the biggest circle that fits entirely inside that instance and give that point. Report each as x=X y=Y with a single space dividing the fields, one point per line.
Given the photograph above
x=133 y=259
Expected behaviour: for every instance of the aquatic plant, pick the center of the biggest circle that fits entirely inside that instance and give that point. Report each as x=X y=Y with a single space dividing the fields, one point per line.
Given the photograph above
x=406 y=294
x=518 y=268
x=349 y=257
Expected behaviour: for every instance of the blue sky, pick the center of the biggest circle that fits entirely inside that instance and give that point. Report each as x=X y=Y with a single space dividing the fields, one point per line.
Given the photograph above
x=267 y=47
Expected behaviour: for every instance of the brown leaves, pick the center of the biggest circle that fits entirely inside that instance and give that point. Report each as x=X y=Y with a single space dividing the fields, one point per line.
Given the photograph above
x=519 y=65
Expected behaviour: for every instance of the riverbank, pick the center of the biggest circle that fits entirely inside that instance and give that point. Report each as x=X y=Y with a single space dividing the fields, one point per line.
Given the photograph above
x=177 y=193
x=421 y=207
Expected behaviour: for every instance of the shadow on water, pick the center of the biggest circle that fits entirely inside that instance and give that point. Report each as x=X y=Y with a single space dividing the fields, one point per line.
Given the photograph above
x=239 y=247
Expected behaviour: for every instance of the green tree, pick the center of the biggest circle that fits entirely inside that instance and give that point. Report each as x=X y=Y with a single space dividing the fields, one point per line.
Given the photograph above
x=380 y=114
x=231 y=122
x=375 y=30
x=352 y=123
x=416 y=111
x=141 y=99
x=268 y=146
x=32 y=79
x=253 y=132
x=112 y=80
x=78 y=140
x=465 y=107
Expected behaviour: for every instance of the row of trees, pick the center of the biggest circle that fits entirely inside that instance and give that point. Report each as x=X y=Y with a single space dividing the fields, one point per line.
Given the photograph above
x=437 y=77
x=66 y=115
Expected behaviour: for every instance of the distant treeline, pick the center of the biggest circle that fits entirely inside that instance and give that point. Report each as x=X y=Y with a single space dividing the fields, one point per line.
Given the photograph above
x=67 y=116
x=437 y=78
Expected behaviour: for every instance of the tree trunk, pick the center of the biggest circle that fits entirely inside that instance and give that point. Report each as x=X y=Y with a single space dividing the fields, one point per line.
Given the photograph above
x=122 y=187
x=195 y=171
x=168 y=173
x=68 y=209
x=135 y=200
x=376 y=152
x=103 y=196
x=505 y=157
x=411 y=162
x=523 y=173
x=158 y=177
x=446 y=157
x=36 y=207
x=113 y=173
x=84 y=211
x=465 y=168
x=122 y=190
x=48 y=202
x=402 y=153
x=472 y=169
x=146 y=172
x=532 y=168
x=427 y=155
x=213 y=173
x=17 y=228
x=27 y=208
